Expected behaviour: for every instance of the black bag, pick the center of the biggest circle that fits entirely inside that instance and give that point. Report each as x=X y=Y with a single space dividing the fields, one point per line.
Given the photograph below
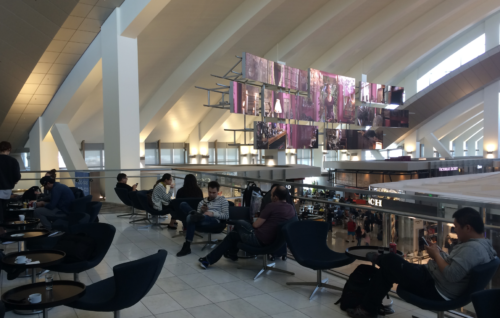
x=247 y=194
x=78 y=247
x=29 y=194
x=356 y=287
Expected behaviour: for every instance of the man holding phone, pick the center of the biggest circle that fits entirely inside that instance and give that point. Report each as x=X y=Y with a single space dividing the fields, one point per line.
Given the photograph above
x=210 y=211
x=444 y=277
x=122 y=183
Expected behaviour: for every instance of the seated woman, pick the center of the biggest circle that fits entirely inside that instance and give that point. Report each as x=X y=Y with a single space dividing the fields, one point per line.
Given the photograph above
x=161 y=198
x=190 y=189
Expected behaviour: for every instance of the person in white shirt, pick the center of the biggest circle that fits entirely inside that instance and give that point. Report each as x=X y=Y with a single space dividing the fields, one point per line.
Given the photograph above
x=161 y=198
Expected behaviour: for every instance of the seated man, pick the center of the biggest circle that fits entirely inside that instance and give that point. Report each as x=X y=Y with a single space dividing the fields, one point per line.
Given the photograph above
x=210 y=211
x=445 y=277
x=261 y=233
x=61 y=199
x=122 y=183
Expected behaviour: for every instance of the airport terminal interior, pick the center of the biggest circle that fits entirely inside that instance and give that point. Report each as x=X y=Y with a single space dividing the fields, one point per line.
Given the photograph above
x=249 y=158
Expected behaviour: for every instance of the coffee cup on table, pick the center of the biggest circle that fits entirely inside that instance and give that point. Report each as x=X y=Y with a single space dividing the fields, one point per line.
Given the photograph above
x=21 y=217
x=35 y=298
x=21 y=259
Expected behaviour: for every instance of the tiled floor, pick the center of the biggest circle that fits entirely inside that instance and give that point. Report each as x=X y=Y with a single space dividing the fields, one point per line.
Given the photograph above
x=185 y=290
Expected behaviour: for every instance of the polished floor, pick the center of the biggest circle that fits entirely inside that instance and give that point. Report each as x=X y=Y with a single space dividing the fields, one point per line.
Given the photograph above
x=185 y=290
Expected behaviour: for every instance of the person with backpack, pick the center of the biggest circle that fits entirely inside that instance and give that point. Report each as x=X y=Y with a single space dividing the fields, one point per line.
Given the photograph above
x=445 y=277
x=161 y=198
x=351 y=229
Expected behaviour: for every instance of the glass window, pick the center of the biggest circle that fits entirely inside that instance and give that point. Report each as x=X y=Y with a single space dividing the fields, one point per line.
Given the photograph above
x=93 y=158
x=166 y=156
x=221 y=156
x=26 y=159
x=232 y=156
x=151 y=156
x=459 y=58
x=369 y=156
x=211 y=156
x=178 y=156
x=304 y=157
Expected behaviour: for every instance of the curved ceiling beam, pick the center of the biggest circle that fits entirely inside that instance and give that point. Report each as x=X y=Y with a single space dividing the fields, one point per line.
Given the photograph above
x=387 y=65
x=319 y=20
x=220 y=40
x=380 y=22
x=399 y=41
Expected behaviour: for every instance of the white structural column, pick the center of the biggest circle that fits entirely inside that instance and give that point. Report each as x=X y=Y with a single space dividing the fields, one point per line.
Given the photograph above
x=197 y=147
x=492 y=31
x=120 y=80
x=68 y=147
x=432 y=141
x=449 y=141
x=470 y=143
x=479 y=145
x=43 y=151
x=412 y=144
x=459 y=142
x=491 y=120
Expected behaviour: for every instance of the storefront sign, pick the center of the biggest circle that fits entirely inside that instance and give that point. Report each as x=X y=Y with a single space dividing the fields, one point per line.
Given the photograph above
x=375 y=202
x=448 y=169
x=479 y=167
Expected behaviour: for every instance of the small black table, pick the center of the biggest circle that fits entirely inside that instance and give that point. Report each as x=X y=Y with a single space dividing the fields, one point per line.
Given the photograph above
x=359 y=252
x=45 y=257
x=63 y=292
x=21 y=225
x=23 y=235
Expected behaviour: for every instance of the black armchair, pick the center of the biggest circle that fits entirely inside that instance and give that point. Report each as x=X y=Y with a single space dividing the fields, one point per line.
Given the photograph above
x=123 y=195
x=130 y=283
x=93 y=209
x=143 y=200
x=103 y=234
x=480 y=276
x=133 y=195
x=269 y=249
x=307 y=242
x=486 y=303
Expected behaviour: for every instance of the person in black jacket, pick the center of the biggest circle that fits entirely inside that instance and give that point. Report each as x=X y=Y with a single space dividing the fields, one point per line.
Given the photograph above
x=10 y=174
x=190 y=189
x=122 y=183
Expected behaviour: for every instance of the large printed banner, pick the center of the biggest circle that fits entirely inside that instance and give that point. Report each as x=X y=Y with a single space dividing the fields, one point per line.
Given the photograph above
x=259 y=69
x=284 y=136
x=245 y=99
x=340 y=139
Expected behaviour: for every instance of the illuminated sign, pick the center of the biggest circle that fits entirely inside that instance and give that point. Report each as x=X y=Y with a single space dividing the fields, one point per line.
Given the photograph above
x=375 y=202
x=479 y=167
x=448 y=169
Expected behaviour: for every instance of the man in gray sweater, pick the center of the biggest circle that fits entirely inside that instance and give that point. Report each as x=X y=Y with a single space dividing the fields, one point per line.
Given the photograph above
x=444 y=277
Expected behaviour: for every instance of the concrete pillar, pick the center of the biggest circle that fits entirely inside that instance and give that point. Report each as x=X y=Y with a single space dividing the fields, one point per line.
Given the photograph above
x=491 y=120
x=44 y=154
x=68 y=147
x=120 y=82
x=440 y=148
x=492 y=31
x=479 y=146
x=318 y=157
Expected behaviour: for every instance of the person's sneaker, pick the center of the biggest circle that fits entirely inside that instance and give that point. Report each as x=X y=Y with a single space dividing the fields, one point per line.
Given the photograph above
x=359 y=313
x=186 y=249
x=231 y=256
x=372 y=257
x=204 y=263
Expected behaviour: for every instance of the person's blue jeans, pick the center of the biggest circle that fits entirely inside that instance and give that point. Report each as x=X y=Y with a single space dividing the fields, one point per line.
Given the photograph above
x=191 y=224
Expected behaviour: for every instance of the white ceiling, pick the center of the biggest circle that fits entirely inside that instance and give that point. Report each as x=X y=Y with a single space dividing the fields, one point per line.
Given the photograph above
x=379 y=38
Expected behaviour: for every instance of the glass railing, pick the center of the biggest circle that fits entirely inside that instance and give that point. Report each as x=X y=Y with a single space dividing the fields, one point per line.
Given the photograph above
x=403 y=218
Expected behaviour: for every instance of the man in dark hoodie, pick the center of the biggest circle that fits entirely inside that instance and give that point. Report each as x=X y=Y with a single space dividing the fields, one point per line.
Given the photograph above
x=9 y=175
x=444 y=277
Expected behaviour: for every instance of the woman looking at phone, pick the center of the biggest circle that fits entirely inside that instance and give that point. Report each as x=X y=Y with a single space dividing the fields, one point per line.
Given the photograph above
x=162 y=194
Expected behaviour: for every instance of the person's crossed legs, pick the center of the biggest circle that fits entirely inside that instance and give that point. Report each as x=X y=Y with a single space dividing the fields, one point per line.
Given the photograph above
x=394 y=269
x=42 y=214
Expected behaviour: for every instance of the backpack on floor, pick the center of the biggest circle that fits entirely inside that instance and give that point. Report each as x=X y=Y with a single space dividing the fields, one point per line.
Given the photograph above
x=356 y=287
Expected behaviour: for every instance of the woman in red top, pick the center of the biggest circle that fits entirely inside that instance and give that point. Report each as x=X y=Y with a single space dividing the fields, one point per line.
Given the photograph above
x=351 y=228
